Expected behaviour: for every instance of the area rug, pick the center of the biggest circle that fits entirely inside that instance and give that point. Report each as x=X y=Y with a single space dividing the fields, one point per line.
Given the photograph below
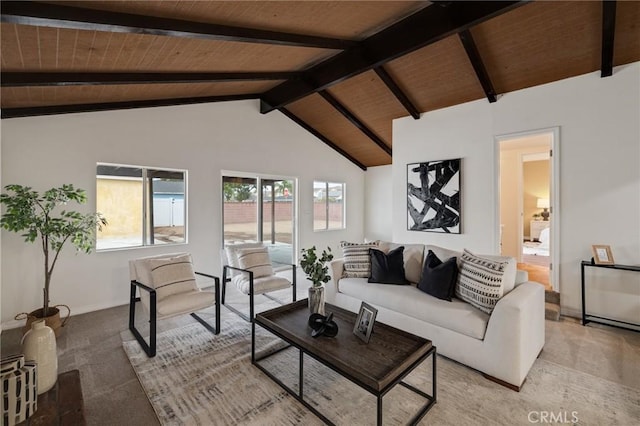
x=201 y=379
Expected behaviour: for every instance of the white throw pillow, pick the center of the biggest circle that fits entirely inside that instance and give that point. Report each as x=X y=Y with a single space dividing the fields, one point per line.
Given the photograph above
x=357 y=263
x=172 y=275
x=255 y=260
x=480 y=281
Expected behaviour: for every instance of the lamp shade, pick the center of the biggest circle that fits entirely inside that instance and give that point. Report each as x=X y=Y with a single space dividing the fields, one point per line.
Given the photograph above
x=543 y=203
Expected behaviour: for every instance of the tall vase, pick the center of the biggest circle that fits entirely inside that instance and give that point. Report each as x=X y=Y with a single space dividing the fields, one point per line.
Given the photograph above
x=316 y=300
x=39 y=345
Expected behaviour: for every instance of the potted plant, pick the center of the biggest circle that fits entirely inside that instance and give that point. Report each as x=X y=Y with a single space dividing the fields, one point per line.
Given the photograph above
x=318 y=273
x=39 y=216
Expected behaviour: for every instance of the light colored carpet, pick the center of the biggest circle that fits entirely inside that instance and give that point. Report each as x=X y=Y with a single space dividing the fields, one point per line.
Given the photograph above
x=201 y=379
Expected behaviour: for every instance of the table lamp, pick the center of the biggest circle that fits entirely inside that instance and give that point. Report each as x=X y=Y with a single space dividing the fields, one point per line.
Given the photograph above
x=543 y=203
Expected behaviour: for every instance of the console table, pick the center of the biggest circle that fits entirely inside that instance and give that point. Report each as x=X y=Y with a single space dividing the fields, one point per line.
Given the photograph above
x=601 y=320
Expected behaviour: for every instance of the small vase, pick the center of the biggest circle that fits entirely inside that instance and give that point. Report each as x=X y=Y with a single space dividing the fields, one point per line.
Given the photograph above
x=316 y=300
x=39 y=345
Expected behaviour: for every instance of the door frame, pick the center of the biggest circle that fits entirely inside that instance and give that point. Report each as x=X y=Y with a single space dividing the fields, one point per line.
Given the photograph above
x=554 y=195
x=259 y=177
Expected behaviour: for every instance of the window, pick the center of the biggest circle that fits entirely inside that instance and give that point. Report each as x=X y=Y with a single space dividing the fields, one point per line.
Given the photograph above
x=328 y=206
x=143 y=206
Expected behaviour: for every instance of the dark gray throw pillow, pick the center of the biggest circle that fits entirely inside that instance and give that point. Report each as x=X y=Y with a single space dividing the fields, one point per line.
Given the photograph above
x=387 y=268
x=439 y=278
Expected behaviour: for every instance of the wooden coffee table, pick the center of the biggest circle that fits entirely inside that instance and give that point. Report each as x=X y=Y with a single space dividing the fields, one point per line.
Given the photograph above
x=377 y=366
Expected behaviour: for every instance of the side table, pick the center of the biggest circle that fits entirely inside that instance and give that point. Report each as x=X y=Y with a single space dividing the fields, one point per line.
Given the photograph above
x=61 y=405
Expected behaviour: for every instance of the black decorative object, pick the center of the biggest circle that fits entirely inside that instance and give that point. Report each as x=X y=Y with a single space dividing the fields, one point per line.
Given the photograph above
x=433 y=196
x=323 y=326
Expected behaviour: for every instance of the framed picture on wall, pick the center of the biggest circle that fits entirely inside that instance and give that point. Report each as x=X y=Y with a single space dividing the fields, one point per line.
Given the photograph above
x=433 y=196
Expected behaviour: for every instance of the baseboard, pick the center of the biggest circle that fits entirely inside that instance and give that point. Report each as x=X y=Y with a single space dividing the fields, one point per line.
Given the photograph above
x=570 y=312
x=8 y=325
x=503 y=383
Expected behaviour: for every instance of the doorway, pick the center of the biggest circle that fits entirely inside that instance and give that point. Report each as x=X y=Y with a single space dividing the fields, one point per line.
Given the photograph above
x=260 y=209
x=528 y=202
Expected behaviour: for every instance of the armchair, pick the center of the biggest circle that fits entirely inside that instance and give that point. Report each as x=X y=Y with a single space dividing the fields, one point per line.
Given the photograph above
x=168 y=288
x=248 y=267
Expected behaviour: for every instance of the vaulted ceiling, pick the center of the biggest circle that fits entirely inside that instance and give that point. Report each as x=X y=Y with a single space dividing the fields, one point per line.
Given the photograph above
x=343 y=70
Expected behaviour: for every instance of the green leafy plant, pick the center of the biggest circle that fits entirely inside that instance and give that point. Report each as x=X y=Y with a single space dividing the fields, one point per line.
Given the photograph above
x=316 y=269
x=39 y=217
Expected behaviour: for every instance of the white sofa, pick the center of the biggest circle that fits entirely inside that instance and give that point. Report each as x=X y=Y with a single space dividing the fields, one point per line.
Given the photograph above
x=502 y=345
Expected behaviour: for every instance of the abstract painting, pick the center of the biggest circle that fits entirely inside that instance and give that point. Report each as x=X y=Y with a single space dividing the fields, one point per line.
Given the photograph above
x=433 y=196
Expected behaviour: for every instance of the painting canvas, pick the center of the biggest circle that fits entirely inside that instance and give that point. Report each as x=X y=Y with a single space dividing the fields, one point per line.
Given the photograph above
x=433 y=196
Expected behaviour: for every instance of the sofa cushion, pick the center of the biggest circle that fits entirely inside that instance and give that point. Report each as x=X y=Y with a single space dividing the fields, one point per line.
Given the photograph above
x=480 y=281
x=439 y=278
x=413 y=255
x=456 y=315
x=357 y=263
x=387 y=268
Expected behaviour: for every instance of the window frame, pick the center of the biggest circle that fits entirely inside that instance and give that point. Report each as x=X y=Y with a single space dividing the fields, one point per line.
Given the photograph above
x=327 y=184
x=147 y=198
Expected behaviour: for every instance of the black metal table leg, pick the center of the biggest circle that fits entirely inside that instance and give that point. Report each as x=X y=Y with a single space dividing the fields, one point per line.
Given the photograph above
x=379 y=422
x=301 y=374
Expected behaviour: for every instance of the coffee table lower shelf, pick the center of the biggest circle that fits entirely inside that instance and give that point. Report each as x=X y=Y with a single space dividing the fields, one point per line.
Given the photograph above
x=379 y=394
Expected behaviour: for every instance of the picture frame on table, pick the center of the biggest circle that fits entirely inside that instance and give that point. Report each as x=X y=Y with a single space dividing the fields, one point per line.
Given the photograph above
x=364 y=322
x=602 y=254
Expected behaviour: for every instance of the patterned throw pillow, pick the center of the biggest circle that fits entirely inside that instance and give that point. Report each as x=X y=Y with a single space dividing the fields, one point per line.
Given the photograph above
x=480 y=281
x=357 y=263
x=172 y=275
x=255 y=260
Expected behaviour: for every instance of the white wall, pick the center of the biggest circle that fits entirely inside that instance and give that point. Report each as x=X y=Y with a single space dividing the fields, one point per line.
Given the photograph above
x=378 y=190
x=599 y=175
x=48 y=151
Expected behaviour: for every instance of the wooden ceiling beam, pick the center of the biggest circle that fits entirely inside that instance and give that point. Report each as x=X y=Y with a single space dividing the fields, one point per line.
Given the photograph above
x=109 y=106
x=427 y=26
x=58 y=16
x=355 y=121
x=23 y=79
x=478 y=64
x=397 y=92
x=608 y=33
x=322 y=137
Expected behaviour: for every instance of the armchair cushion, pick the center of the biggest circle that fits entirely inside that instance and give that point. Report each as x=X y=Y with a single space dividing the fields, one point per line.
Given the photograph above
x=185 y=303
x=172 y=275
x=230 y=255
x=261 y=284
x=255 y=260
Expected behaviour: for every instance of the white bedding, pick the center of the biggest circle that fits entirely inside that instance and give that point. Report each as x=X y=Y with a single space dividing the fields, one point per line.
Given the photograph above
x=538 y=248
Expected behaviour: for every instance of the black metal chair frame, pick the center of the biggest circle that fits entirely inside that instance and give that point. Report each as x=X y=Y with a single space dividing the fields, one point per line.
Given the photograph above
x=251 y=294
x=150 y=349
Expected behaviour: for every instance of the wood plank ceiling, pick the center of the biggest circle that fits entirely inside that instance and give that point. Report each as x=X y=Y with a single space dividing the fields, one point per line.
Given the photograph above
x=343 y=70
